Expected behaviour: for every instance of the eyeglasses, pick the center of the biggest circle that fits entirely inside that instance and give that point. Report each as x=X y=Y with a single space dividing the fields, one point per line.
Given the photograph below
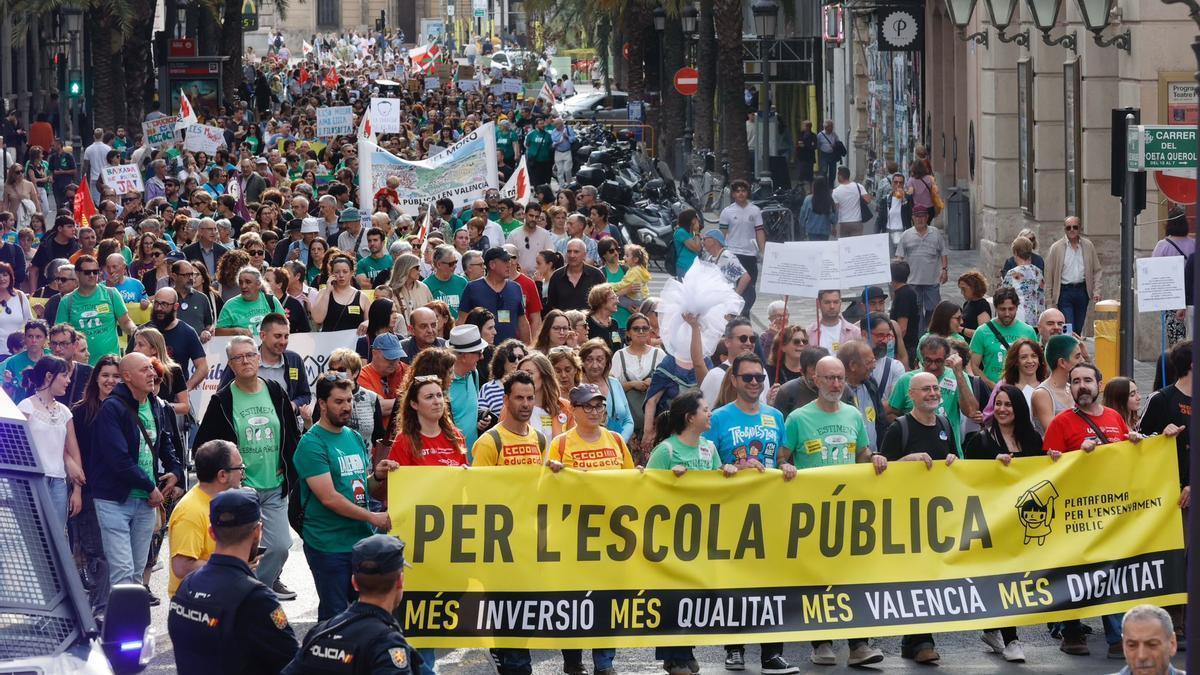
x=164 y=303
x=247 y=357
x=640 y=329
x=594 y=408
x=61 y=343
x=749 y=378
x=7 y=309
x=831 y=378
x=241 y=468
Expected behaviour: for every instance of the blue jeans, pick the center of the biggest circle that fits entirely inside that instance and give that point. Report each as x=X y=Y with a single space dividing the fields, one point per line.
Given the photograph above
x=1073 y=302
x=331 y=577
x=428 y=659
x=126 y=529
x=601 y=658
x=59 y=497
x=276 y=536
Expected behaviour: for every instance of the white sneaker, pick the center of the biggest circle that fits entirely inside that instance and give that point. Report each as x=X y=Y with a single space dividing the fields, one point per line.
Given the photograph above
x=823 y=655
x=992 y=639
x=1014 y=653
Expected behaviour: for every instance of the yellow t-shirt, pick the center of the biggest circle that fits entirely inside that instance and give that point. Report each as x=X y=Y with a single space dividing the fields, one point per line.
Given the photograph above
x=515 y=449
x=187 y=532
x=609 y=452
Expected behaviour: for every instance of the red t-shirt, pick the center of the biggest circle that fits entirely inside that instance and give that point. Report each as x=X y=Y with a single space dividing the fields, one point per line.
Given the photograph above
x=533 y=299
x=435 y=451
x=1068 y=430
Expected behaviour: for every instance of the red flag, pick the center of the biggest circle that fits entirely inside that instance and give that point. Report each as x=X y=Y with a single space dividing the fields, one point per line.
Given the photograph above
x=84 y=207
x=304 y=76
x=331 y=78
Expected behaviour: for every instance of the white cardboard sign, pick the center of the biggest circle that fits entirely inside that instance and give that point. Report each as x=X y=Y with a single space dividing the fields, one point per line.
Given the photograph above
x=1160 y=284
x=803 y=268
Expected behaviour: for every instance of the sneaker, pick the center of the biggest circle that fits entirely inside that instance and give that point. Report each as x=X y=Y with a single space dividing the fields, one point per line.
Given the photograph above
x=992 y=639
x=607 y=671
x=676 y=668
x=283 y=592
x=823 y=655
x=777 y=665
x=1116 y=652
x=927 y=655
x=735 y=659
x=574 y=669
x=693 y=665
x=1013 y=652
x=1074 y=646
x=154 y=601
x=863 y=655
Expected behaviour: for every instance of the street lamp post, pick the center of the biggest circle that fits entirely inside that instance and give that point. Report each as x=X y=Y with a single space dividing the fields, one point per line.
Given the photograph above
x=766 y=12
x=73 y=18
x=690 y=17
x=1095 y=17
x=1001 y=13
x=960 y=15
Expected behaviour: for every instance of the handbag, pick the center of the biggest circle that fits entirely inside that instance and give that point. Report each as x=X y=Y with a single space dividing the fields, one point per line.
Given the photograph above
x=864 y=209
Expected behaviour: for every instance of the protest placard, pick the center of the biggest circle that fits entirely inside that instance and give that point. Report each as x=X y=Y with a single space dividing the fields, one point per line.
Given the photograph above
x=461 y=173
x=432 y=83
x=803 y=268
x=1160 y=284
x=511 y=85
x=385 y=115
x=124 y=179
x=467 y=85
x=203 y=138
x=161 y=132
x=336 y=121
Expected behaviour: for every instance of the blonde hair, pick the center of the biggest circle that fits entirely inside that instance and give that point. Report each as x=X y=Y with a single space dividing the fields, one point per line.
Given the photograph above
x=643 y=259
x=347 y=358
x=550 y=391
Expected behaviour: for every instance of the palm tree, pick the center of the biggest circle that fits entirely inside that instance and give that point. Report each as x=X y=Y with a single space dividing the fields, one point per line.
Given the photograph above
x=727 y=19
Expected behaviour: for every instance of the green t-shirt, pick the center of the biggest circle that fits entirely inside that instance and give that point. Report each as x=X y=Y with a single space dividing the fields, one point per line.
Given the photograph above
x=237 y=313
x=371 y=266
x=992 y=353
x=509 y=225
x=96 y=316
x=258 y=434
x=344 y=457
x=505 y=142
x=673 y=451
x=145 y=459
x=449 y=291
x=818 y=438
x=901 y=403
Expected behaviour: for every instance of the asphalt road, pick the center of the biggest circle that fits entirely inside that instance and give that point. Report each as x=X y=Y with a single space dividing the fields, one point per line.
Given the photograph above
x=961 y=652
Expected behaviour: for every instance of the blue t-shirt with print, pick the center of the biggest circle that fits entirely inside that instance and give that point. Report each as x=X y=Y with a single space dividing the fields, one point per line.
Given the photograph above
x=739 y=436
x=131 y=290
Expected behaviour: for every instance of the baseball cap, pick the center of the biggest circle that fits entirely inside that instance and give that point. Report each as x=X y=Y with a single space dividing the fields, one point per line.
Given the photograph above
x=389 y=345
x=585 y=393
x=715 y=234
x=377 y=554
x=496 y=253
x=233 y=507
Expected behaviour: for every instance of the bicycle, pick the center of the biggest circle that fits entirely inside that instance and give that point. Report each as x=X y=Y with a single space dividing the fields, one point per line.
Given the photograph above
x=708 y=188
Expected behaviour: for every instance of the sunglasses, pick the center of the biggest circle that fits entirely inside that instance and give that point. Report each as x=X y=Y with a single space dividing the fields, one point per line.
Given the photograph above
x=422 y=379
x=90 y=272
x=800 y=343
x=64 y=279
x=745 y=338
x=1071 y=228
x=257 y=253
x=515 y=356
x=749 y=378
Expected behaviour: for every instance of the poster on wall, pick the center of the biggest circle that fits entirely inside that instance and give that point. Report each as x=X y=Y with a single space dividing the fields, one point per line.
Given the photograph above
x=1072 y=138
x=1025 y=134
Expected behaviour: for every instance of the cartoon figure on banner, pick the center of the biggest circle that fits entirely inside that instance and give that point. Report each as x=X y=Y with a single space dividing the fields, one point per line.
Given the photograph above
x=1035 y=510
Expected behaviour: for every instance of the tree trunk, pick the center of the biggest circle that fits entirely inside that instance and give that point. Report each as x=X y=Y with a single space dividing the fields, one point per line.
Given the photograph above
x=231 y=46
x=727 y=18
x=139 y=85
x=706 y=63
x=108 y=110
x=636 y=18
x=674 y=107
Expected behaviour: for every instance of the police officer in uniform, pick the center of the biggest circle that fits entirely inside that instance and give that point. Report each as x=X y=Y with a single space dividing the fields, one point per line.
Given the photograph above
x=365 y=639
x=222 y=619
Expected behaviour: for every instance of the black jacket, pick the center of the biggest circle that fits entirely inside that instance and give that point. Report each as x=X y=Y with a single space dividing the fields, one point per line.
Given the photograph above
x=194 y=253
x=218 y=424
x=112 y=468
x=298 y=389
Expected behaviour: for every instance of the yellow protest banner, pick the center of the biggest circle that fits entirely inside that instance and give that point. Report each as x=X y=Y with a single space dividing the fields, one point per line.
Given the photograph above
x=522 y=557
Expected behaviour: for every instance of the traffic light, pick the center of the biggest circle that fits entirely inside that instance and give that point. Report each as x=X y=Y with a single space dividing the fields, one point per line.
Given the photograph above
x=75 y=83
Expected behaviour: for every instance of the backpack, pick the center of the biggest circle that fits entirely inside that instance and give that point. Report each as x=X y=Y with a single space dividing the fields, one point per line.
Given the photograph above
x=494 y=434
x=943 y=424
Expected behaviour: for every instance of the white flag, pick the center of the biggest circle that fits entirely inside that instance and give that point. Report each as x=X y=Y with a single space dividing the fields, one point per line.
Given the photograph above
x=365 y=132
x=306 y=48
x=187 y=114
x=518 y=186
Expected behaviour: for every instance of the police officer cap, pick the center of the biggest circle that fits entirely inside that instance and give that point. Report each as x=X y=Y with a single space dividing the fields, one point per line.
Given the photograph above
x=377 y=554
x=233 y=507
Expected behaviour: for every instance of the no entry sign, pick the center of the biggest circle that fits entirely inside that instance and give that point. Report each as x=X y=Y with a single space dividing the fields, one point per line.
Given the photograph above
x=687 y=81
